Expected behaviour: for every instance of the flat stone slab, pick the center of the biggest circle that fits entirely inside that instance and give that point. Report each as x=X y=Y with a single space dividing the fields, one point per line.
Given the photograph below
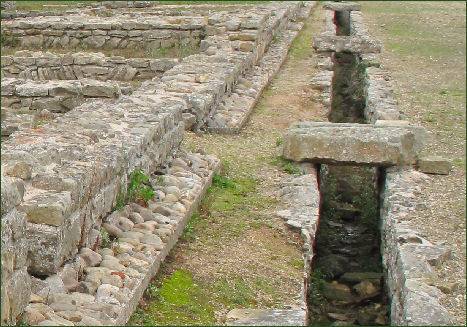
x=353 y=44
x=267 y=317
x=342 y=6
x=355 y=144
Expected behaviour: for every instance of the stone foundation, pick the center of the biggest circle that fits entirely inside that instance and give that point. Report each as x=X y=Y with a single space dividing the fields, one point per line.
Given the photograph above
x=91 y=32
x=54 y=96
x=73 y=167
x=70 y=66
x=409 y=258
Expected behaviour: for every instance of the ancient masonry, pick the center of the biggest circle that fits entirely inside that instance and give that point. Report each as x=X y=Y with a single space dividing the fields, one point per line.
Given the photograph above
x=76 y=126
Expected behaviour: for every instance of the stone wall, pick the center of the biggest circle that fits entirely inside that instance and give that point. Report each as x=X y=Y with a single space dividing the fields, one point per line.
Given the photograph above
x=409 y=259
x=102 y=286
x=237 y=43
x=75 y=166
x=50 y=66
x=54 y=96
x=91 y=32
x=16 y=284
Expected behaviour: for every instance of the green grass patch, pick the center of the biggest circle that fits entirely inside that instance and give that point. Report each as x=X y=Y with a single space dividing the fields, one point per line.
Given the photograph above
x=297 y=263
x=195 y=223
x=301 y=47
x=49 y=5
x=178 y=299
x=234 y=293
x=286 y=165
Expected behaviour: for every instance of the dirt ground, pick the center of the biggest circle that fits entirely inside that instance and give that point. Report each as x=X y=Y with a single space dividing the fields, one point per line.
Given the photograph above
x=424 y=51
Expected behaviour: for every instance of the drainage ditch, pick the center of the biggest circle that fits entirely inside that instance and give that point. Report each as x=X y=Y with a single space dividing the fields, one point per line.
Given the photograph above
x=346 y=284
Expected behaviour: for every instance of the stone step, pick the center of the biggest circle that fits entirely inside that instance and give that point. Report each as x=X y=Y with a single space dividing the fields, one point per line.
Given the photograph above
x=114 y=278
x=267 y=317
x=355 y=144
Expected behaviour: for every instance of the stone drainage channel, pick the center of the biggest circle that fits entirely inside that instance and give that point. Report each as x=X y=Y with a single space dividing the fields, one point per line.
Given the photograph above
x=364 y=265
x=346 y=282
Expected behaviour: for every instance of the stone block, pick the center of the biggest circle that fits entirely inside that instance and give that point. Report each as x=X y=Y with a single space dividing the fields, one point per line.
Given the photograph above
x=434 y=165
x=267 y=317
x=355 y=144
x=342 y=6
x=353 y=44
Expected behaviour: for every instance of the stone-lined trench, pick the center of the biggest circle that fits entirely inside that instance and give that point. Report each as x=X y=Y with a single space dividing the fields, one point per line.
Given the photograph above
x=346 y=284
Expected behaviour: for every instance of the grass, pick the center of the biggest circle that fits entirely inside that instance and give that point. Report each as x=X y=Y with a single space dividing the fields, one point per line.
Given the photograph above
x=49 y=5
x=177 y=298
x=139 y=187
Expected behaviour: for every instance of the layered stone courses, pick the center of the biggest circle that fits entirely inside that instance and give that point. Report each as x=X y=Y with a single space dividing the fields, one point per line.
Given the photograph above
x=232 y=114
x=237 y=44
x=49 y=66
x=91 y=32
x=409 y=258
x=55 y=96
x=80 y=161
x=16 y=284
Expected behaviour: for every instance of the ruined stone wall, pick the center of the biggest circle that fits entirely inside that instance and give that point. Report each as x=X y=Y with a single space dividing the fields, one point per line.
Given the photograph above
x=49 y=66
x=409 y=259
x=54 y=96
x=74 y=167
x=237 y=43
x=16 y=284
x=91 y=32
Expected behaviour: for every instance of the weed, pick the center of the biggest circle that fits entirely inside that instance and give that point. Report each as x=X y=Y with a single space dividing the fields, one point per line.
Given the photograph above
x=105 y=238
x=297 y=263
x=279 y=141
x=222 y=182
x=286 y=165
x=139 y=188
x=190 y=229
x=120 y=201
